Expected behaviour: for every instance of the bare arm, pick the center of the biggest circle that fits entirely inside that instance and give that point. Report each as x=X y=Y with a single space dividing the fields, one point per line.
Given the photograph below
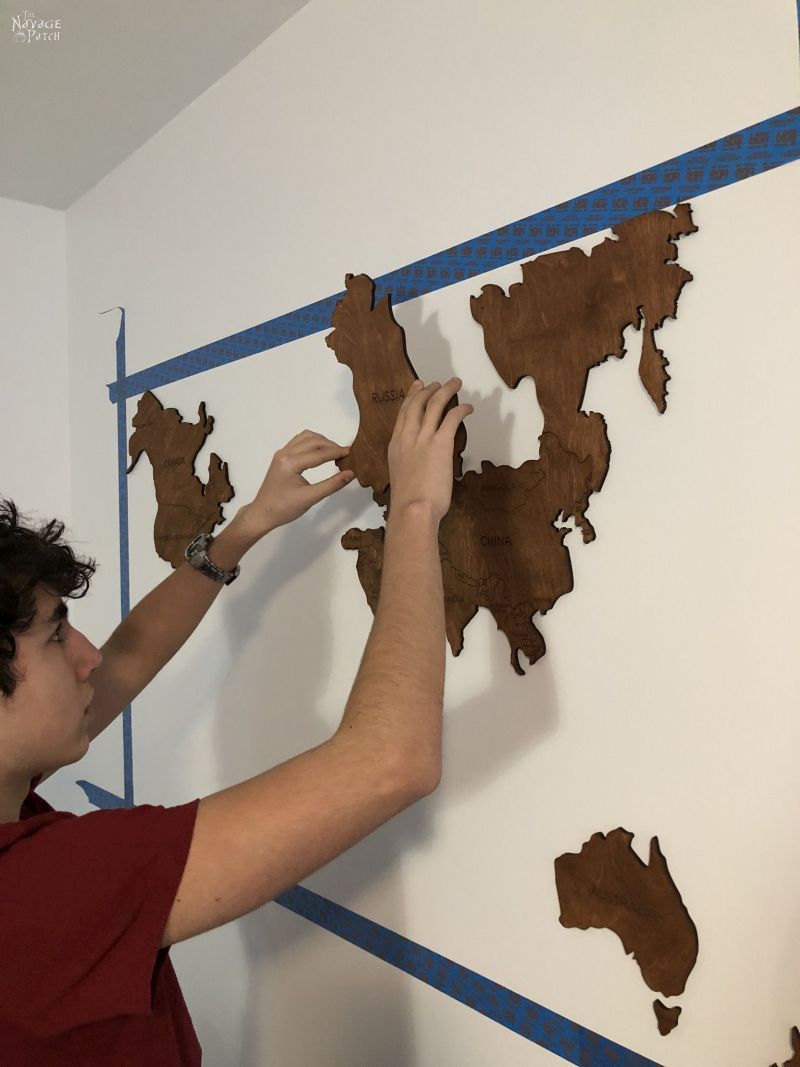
x=399 y=690
x=160 y=624
x=257 y=838
x=397 y=696
x=150 y=635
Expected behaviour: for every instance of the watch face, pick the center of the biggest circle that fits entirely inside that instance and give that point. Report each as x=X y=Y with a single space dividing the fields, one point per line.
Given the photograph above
x=196 y=547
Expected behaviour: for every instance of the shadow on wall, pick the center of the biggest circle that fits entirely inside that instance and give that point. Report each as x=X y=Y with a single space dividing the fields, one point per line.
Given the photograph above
x=489 y=430
x=301 y=1008
x=294 y=1006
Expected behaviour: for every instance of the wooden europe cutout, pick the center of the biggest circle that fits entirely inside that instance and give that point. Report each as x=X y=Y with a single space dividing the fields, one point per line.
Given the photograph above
x=186 y=506
x=795 y=1060
x=607 y=886
x=499 y=544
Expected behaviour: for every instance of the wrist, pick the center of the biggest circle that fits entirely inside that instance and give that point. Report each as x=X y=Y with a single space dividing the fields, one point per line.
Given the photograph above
x=231 y=543
x=419 y=514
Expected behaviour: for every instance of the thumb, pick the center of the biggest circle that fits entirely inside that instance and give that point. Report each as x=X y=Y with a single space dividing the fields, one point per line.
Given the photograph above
x=329 y=486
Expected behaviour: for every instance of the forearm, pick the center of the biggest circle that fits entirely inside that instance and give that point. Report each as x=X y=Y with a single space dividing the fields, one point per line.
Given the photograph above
x=161 y=623
x=396 y=701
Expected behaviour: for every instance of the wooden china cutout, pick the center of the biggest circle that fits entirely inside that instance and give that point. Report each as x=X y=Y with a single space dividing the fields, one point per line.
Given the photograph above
x=500 y=545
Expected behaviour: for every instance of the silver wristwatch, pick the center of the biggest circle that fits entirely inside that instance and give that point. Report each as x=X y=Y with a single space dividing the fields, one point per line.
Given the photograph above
x=197 y=555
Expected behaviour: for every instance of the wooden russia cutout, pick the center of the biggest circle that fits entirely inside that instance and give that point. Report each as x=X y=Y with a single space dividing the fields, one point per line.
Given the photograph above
x=369 y=341
x=186 y=506
x=499 y=544
x=606 y=886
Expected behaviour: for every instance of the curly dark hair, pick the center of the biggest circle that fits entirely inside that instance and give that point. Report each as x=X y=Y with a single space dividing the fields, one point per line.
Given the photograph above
x=31 y=556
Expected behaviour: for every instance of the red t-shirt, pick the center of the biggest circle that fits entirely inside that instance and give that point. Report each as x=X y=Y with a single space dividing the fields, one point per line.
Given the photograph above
x=84 y=901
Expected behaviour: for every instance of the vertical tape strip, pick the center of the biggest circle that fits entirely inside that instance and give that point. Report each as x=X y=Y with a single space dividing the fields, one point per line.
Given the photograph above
x=97 y=795
x=124 y=556
x=564 y=1038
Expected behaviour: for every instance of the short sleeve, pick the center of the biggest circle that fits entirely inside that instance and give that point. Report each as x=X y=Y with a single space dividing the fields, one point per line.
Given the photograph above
x=85 y=901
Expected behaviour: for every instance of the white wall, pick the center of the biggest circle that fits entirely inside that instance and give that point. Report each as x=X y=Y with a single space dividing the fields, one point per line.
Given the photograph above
x=34 y=412
x=361 y=137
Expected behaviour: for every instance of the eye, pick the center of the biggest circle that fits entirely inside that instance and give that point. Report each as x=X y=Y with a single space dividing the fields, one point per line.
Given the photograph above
x=58 y=634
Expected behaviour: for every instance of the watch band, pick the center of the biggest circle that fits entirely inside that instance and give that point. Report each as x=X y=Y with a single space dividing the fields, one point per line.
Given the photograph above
x=197 y=555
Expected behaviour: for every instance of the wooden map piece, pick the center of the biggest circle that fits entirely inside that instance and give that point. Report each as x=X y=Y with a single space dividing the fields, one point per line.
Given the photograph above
x=370 y=341
x=795 y=1059
x=607 y=886
x=499 y=550
x=667 y=1017
x=568 y=314
x=186 y=506
x=499 y=544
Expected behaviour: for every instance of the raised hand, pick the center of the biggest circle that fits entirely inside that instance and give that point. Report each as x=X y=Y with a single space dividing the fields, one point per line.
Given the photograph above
x=285 y=494
x=421 y=449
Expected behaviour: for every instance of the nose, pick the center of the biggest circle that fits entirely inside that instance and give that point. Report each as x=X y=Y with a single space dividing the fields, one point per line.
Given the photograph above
x=89 y=656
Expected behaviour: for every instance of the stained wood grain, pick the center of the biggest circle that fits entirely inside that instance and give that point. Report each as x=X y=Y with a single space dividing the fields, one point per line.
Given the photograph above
x=667 y=1017
x=369 y=340
x=185 y=505
x=502 y=542
x=606 y=886
x=568 y=315
x=794 y=1061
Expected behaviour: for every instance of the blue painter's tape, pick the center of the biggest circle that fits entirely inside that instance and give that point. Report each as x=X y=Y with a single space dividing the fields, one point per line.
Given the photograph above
x=100 y=797
x=93 y=792
x=124 y=556
x=753 y=150
x=543 y=1027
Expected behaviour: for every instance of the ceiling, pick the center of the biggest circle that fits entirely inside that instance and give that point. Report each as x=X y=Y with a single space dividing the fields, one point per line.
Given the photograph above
x=75 y=107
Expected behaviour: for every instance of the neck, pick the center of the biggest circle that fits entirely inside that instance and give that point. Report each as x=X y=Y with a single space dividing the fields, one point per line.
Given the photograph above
x=12 y=797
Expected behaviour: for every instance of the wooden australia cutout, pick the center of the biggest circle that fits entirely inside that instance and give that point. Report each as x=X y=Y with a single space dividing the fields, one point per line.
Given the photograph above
x=606 y=886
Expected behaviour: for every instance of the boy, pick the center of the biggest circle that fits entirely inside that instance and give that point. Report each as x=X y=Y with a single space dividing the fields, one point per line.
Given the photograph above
x=91 y=904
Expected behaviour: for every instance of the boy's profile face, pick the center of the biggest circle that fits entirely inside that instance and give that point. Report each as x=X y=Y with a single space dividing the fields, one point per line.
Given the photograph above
x=44 y=723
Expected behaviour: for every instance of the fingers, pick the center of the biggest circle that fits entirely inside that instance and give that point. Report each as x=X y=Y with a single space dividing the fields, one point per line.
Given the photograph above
x=329 y=486
x=304 y=459
x=414 y=390
x=452 y=419
x=298 y=437
x=308 y=439
x=437 y=403
x=419 y=399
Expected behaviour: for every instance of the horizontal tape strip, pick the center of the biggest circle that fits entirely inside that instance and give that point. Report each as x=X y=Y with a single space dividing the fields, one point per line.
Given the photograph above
x=762 y=147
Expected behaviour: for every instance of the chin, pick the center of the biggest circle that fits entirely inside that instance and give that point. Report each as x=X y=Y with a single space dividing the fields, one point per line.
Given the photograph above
x=83 y=748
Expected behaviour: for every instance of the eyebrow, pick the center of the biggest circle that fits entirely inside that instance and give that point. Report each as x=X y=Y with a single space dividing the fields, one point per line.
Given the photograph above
x=61 y=611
